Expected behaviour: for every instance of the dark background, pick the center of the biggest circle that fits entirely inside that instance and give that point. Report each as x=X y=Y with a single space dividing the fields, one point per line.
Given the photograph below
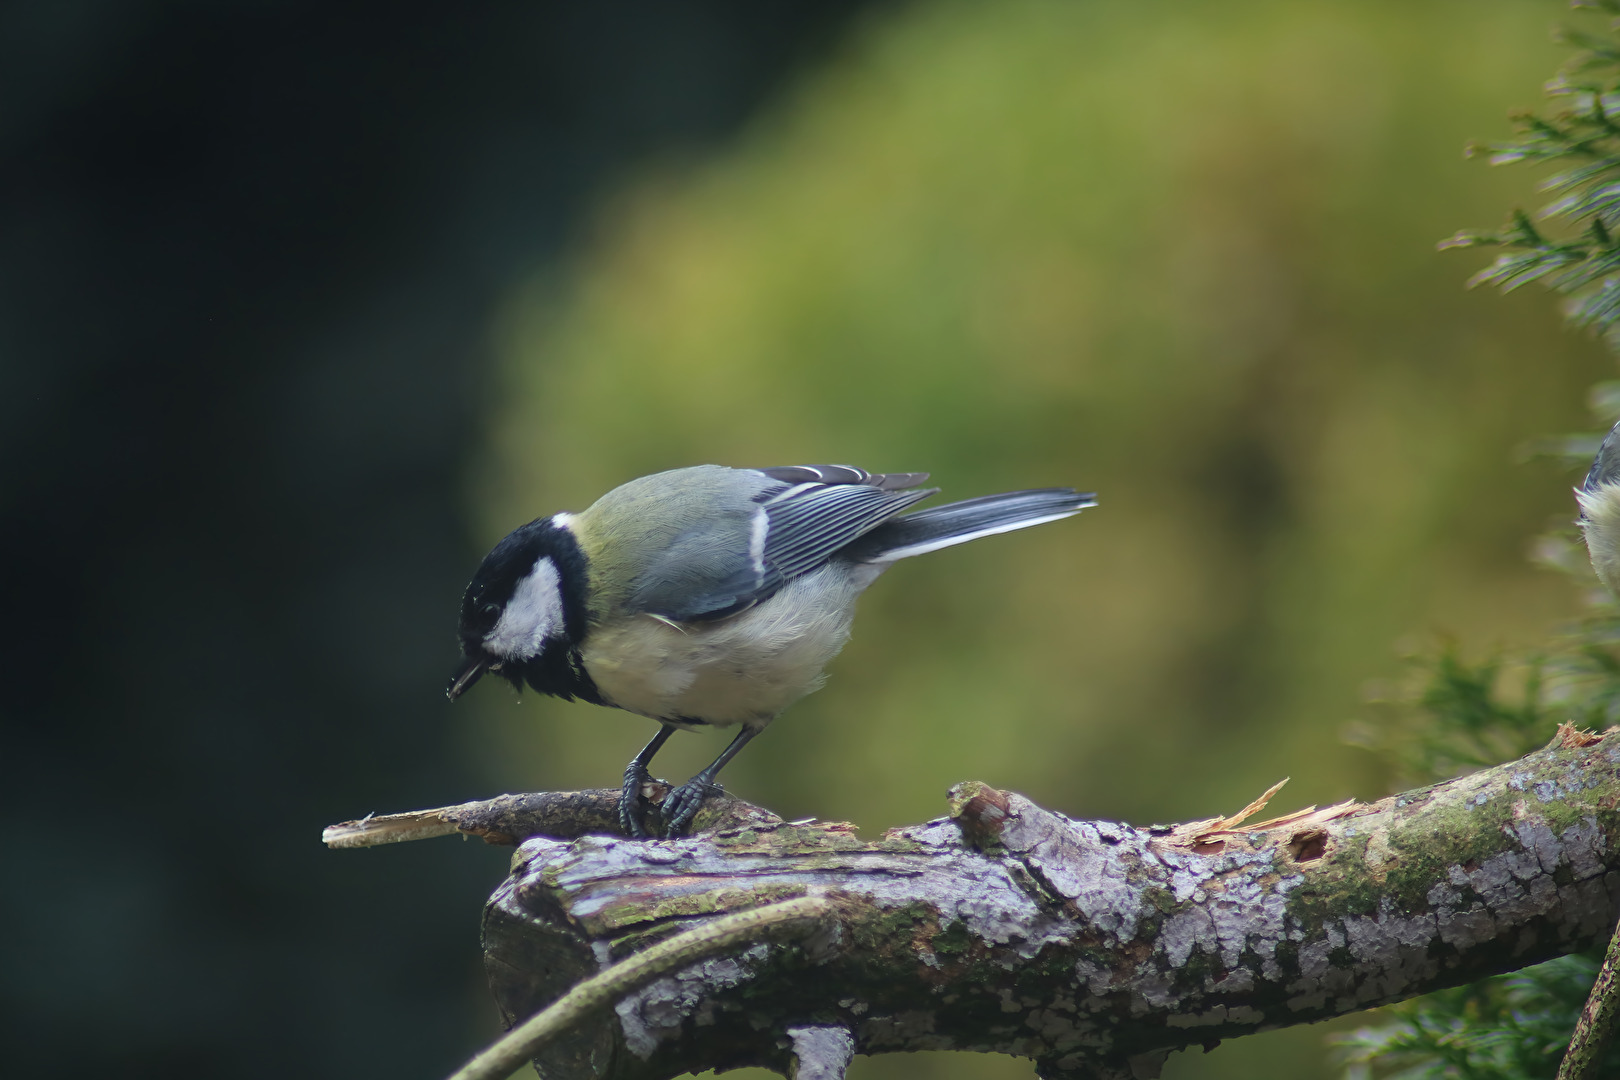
x=248 y=253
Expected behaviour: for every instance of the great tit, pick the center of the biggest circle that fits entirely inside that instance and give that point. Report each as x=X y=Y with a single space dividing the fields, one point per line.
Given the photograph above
x=1599 y=499
x=707 y=596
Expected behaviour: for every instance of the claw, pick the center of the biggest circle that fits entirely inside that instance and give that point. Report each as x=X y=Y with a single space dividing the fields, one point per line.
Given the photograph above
x=632 y=804
x=682 y=804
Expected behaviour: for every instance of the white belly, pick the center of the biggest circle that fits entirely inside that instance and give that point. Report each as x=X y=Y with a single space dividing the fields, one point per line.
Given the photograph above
x=741 y=670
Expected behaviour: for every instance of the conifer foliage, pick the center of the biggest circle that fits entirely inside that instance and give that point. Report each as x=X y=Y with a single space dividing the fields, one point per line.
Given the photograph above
x=1581 y=140
x=1516 y=1027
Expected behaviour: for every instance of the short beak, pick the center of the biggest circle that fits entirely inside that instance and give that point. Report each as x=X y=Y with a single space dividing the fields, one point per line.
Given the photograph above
x=471 y=668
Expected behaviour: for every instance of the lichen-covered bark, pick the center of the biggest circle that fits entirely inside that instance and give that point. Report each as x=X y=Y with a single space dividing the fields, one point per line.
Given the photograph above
x=1583 y=1059
x=1093 y=947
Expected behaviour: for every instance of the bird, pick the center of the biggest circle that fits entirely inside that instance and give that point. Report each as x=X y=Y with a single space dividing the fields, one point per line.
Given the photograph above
x=1599 y=500
x=707 y=596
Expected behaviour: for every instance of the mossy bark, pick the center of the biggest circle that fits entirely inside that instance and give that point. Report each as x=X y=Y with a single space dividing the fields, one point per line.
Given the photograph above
x=1094 y=948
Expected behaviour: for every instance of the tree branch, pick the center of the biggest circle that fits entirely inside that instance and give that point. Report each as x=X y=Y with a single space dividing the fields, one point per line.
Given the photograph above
x=820 y=1053
x=1094 y=948
x=1595 y=1027
x=511 y=819
x=712 y=938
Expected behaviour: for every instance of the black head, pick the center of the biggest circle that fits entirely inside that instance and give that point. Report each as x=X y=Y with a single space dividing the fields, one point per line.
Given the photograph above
x=523 y=615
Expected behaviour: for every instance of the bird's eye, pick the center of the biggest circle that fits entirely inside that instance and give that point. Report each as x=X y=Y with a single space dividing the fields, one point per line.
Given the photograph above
x=492 y=609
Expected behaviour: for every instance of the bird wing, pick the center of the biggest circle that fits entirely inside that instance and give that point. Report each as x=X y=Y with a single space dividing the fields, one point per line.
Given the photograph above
x=809 y=520
x=1606 y=465
x=798 y=518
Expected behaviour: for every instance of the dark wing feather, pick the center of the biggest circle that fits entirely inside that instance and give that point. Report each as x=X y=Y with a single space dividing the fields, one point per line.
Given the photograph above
x=811 y=511
x=843 y=474
x=808 y=524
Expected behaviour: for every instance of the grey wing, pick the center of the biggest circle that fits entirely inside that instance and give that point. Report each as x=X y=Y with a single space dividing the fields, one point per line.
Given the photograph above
x=798 y=519
x=809 y=521
x=843 y=474
x=1606 y=466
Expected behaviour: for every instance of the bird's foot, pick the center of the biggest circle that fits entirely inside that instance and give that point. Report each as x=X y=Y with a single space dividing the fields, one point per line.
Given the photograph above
x=633 y=804
x=682 y=804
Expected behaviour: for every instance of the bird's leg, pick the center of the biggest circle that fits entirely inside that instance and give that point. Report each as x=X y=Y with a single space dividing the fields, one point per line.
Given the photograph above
x=681 y=805
x=631 y=801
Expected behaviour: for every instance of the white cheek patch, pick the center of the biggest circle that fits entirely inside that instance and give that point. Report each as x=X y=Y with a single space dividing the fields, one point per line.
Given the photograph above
x=532 y=615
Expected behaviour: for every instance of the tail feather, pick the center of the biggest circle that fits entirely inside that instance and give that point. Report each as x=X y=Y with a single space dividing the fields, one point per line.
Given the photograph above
x=959 y=522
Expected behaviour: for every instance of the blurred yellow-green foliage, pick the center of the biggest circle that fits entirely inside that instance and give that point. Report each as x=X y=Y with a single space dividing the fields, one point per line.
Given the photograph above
x=1181 y=254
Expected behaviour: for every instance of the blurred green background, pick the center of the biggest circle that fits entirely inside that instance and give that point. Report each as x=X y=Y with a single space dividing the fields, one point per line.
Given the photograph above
x=306 y=305
x=1181 y=254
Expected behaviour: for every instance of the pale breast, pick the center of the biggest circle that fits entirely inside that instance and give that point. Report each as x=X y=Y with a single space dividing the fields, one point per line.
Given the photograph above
x=1600 y=521
x=741 y=670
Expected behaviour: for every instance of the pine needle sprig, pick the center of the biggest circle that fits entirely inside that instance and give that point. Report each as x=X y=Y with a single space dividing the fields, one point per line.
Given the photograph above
x=1511 y=1027
x=1582 y=140
x=1516 y=1027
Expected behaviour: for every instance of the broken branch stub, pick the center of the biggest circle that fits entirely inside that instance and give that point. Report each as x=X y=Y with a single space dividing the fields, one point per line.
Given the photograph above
x=1093 y=947
x=511 y=819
